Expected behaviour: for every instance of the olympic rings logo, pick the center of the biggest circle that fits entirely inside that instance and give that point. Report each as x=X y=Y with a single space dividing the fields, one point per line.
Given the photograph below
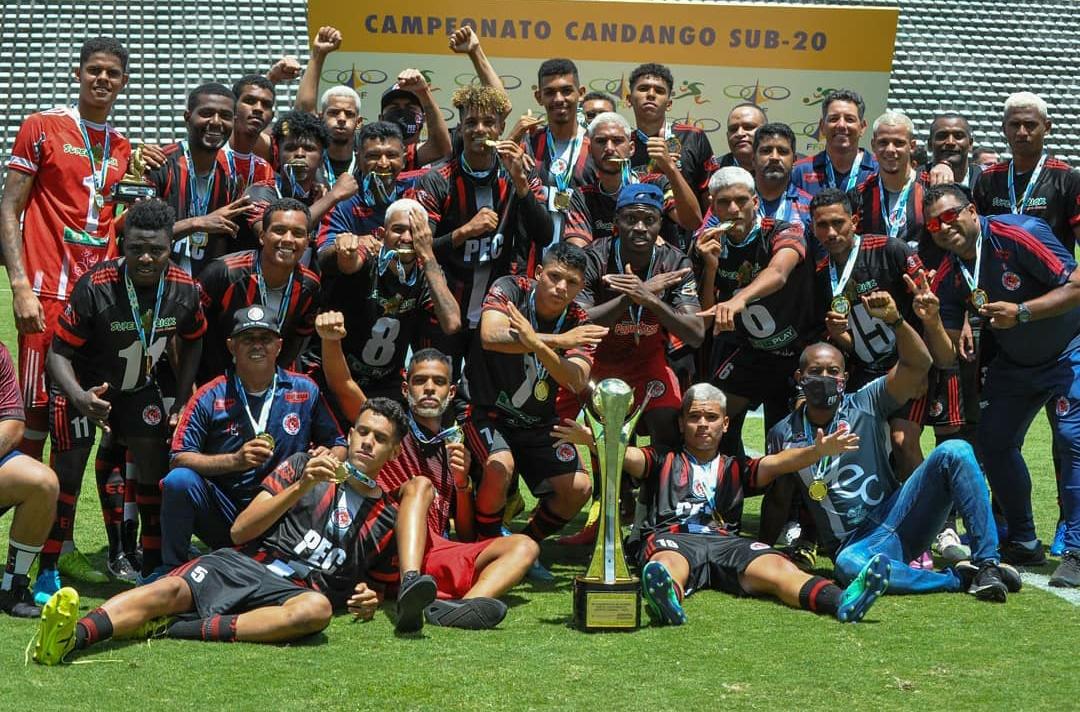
x=756 y=93
x=510 y=82
x=354 y=77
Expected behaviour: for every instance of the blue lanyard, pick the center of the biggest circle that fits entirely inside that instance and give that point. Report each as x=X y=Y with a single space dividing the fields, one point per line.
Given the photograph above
x=283 y=307
x=370 y=198
x=133 y=302
x=99 y=174
x=839 y=284
x=749 y=240
x=853 y=177
x=297 y=190
x=1018 y=208
x=452 y=434
x=617 y=247
x=973 y=279
x=478 y=175
x=562 y=179
x=197 y=205
x=385 y=256
x=258 y=426
x=541 y=372
x=229 y=153
x=328 y=168
x=645 y=139
x=897 y=218
x=783 y=210
x=823 y=465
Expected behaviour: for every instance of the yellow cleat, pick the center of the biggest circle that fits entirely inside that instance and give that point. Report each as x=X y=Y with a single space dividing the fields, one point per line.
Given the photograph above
x=56 y=632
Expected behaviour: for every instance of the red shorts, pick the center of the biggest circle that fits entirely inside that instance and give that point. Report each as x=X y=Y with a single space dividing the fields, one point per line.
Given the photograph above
x=452 y=564
x=32 y=351
x=654 y=377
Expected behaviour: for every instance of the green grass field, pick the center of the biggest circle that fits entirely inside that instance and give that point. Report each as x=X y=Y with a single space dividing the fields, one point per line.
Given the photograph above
x=945 y=651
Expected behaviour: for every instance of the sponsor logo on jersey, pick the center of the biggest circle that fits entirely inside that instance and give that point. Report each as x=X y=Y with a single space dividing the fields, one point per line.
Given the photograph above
x=625 y=328
x=291 y=423
x=296 y=396
x=122 y=326
x=224 y=403
x=1011 y=281
x=867 y=286
x=1062 y=406
x=655 y=389
x=566 y=452
x=81 y=151
x=758 y=546
x=1032 y=202
x=151 y=415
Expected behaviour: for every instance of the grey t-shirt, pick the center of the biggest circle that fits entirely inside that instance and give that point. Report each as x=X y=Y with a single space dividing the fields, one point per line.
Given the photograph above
x=858 y=481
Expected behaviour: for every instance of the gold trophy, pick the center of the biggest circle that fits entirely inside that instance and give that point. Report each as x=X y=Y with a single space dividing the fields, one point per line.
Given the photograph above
x=608 y=597
x=134 y=185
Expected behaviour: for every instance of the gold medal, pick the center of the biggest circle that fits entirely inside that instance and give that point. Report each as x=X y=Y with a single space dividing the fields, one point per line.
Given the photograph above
x=818 y=490
x=149 y=364
x=267 y=438
x=841 y=305
x=979 y=298
x=541 y=391
x=674 y=146
x=562 y=199
x=341 y=473
x=99 y=200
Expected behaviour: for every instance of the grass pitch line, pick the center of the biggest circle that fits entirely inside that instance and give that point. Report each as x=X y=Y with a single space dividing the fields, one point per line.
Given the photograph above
x=1072 y=595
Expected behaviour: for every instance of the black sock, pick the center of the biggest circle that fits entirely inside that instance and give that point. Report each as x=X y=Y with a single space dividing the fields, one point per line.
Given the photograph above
x=214 y=628
x=407 y=577
x=489 y=525
x=543 y=523
x=820 y=595
x=94 y=627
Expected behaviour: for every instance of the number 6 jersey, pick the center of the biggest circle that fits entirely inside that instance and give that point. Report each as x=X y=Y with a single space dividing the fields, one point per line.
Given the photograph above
x=97 y=330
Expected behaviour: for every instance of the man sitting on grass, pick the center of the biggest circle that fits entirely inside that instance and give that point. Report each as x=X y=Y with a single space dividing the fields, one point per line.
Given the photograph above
x=678 y=537
x=304 y=544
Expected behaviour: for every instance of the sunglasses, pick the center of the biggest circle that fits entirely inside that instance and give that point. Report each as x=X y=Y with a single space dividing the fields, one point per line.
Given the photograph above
x=947 y=217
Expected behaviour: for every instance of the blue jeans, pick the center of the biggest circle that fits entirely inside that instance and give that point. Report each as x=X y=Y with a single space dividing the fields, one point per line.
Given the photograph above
x=192 y=504
x=904 y=525
x=1014 y=396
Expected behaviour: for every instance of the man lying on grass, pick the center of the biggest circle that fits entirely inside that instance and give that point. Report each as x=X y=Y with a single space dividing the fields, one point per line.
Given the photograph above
x=677 y=535
x=304 y=543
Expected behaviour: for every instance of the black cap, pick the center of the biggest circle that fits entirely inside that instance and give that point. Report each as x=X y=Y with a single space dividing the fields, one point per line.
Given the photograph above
x=394 y=92
x=253 y=317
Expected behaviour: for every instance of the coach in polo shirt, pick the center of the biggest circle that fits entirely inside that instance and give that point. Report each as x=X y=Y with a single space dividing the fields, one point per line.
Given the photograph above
x=233 y=432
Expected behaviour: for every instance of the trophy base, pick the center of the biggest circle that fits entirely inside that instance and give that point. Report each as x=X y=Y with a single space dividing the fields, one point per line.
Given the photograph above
x=131 y=192
x=600 y=606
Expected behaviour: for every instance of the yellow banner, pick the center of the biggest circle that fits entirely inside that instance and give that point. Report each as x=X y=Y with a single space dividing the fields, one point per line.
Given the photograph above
x=785 y=58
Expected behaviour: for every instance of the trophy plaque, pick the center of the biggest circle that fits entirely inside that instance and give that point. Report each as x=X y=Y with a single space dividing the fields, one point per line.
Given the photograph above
x=134 y=185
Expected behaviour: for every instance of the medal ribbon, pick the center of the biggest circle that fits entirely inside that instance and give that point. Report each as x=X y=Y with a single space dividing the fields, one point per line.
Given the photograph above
x=451 y=434
x=231 y=160
x=616 y=246
x=838 y=285
x=297 y=190
x=823 y=464
x=1018 y=208
x=563 y=178
x=356 y=473
x=973 y=279
x=328 y=168
x=259 y=426
x=283 y=308
x=197 y=205
x=853 y=177
x=101 y=173
x=140 y=328
x=541 y=370
x=369 y=194
x=747 y=241
x=385 y=257
x=898 y=217
x=478 y=175
x=783 y=210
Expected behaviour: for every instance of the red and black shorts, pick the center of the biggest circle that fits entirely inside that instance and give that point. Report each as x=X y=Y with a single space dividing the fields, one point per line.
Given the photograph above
x=758 y=376
x=452 y=564
x=654 y=377
x=226 y=581
x=135 y=414
x=716 y=560
x=536 y=456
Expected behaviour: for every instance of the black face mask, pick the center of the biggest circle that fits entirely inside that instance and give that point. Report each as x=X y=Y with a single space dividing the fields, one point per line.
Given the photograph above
x=408 y=120
x=822 y=391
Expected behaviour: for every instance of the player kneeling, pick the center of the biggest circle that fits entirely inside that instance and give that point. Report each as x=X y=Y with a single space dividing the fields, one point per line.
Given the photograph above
x=685 y=493
x=304 y=543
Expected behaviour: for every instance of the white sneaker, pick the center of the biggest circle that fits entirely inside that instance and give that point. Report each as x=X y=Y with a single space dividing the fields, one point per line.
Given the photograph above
x=948 y=546
x=789 y=534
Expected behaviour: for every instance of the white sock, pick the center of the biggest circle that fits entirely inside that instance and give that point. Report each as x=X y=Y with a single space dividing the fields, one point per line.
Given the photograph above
x=1029 y=544
x=24 y=558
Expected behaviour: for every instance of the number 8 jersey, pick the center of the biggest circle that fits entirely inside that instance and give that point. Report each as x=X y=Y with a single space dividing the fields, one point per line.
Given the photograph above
x=783 y=320
x=98 y=333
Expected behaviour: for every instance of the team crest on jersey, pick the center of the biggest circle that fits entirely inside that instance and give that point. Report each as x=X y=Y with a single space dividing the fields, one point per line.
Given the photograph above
x=566 y=452
x=291 y=423
x=745 y=274
x=655 y=389
x=842 y=426
x=151 y=415
x=936 y=408
x=912 y=263
x=758 y=546
x=224 y=403
x=341 y=518
x=1011 y=281
x=1062 y=406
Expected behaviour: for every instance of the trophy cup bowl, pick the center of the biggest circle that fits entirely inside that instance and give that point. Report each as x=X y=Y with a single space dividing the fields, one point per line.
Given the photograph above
x=133 y=185
x=608 y=597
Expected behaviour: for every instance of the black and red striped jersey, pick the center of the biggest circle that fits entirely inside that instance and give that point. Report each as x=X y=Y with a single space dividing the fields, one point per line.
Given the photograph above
x=783 y=320
x=880 y=264
x=811 y=173
x=869 y=214
x=681 y=494
x=696 y=160
x=173 y=180
x=1055 y=197
x=97 y=330
x=231 y=283
x=538 y=147
x=331 y=537
x=452 y=197
x=516 y=386
x=592 y=212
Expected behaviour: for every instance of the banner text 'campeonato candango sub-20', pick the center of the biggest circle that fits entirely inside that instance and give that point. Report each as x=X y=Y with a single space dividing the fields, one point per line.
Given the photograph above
x=764 y=36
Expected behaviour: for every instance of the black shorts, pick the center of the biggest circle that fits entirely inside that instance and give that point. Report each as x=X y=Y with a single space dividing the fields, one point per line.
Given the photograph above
x=536 y=456
x=943 y=404
x=226 y=581
x=135 y=414
x=758 y=376
x=716 y=560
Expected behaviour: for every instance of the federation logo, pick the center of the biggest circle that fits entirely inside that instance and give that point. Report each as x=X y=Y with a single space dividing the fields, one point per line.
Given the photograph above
x=1062 y=406
x=842 y=426
x=151 y=415
x=936 y=408
x=255 y=313
x=341 y=518
x=1011 y=281
x=655 y=389
x=566 y=452
x=291 y=423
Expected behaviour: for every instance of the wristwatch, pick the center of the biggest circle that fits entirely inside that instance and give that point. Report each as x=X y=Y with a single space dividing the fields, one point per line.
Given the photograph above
x=1023 y=314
